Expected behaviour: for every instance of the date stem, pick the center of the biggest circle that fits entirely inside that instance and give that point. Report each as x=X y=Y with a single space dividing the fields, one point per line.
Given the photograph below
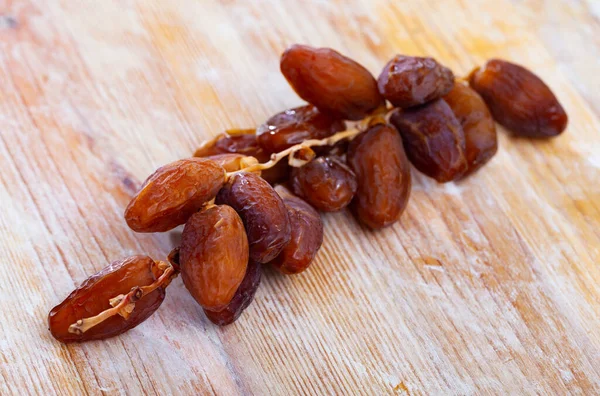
x=381 y=116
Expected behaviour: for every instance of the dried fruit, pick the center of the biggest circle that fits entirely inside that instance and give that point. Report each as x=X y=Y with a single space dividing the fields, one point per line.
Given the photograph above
x=518 y=99
x=326 y=183
x=306 y=236
x=93 y=296
x=383 y=174
x=173 y=193
x=433 y=139
x=408 y=81
x=445 y=127
x=294 y=126
x=332 y=82
x=243 y=141
x=233 y=162
x=470 y=110
x=213 y=255
x=262 y=211
x=237 y=141
x=242 y=298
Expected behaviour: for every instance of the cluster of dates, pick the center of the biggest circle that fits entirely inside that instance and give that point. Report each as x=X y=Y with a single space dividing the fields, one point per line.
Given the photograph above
x=347 y=147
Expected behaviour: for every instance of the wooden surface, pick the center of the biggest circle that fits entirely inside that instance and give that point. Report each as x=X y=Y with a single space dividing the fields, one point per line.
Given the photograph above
x=488 y=286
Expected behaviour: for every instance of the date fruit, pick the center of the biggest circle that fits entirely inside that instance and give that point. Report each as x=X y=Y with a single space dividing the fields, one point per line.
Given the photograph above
x=408 y=81
x=93 y=296
x=306 y=237
x=294 y=126
x=213 y=256
x=263 y=212
x=334 y=83
x=242 y=298
x=433 y=139
x=233 y=162
x=519 y=100
x=244 y=141
x=235 y=141
x=383 y=173
x=173 y=193
x=481 y=142
x=326 y=183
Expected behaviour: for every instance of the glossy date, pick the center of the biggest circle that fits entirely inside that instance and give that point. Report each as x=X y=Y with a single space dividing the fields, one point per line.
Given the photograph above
x=383 y=174
x=519 y=100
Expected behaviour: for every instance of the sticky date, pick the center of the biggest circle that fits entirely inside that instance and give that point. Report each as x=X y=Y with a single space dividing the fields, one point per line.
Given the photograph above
x=236 y=141
x=213 y=256
x=173 y=193
x=242 y=298
x=306 y=237
x=383 y=173
x=408 y=81
x=233 y=162
x=470 y=110
x=519 y=100
x=244 y=141
x=263 y=212
x=93 y=296
x=294 y=126
x=433 y=139
x=334 y=83
x=326 y=183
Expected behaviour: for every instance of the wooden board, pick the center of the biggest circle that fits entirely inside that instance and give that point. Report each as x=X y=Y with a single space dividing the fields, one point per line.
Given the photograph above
x=487 y=286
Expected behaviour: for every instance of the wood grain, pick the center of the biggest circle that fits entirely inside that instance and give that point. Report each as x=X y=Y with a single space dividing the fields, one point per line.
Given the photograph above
x=487 y=286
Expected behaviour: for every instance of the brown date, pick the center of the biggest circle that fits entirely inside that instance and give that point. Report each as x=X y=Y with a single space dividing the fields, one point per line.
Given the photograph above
x=237 y=141
x=93 y=296
x=294 y=126
x=383 y=173
x=244 y=141
x=173 y=193
x=332 y=82
x=306 y=237
x=408 y=81
x=519 y=100
x=481 y=142
x=326 y=183
x=433 y=139
x=213 y=255
x=242 y=298
x=262 y=211
x=233 y=162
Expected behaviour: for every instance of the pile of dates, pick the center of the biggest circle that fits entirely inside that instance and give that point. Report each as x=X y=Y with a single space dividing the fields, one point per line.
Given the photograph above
x=252 y=197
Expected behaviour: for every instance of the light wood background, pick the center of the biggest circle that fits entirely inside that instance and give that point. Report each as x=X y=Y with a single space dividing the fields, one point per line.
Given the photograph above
x=488 y=286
